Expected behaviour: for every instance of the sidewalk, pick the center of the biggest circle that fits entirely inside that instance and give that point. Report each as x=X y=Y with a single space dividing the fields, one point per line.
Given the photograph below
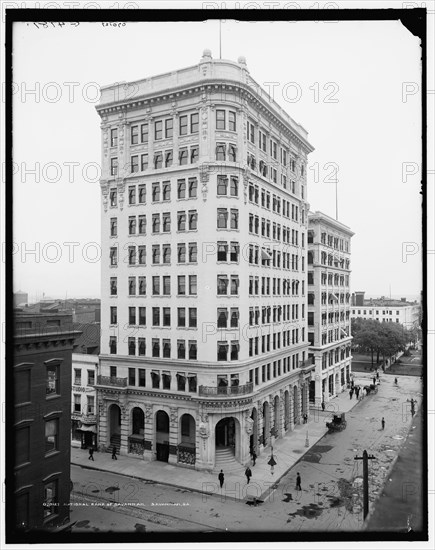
x=287 y=452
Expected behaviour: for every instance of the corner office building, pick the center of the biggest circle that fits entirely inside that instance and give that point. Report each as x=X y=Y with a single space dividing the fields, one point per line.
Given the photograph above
x=204 y=354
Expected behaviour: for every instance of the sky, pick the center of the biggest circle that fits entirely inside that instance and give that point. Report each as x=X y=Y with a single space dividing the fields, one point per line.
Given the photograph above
x=354 y=86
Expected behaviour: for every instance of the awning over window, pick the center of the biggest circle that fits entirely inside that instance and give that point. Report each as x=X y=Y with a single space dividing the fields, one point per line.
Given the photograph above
x=265 y=255
x=191 y=375
x=84 y=428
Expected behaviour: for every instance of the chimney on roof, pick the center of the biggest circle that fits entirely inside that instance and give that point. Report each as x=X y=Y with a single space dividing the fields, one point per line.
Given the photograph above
x=359 y=298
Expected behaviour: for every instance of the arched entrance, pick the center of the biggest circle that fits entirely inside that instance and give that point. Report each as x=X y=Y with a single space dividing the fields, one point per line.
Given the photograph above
x=295 y=405
x=276 y=419
x=253 y=440
x=137 y=427
x=114 y=420
x=114 y=427
x=286 y=410
x=266 y=423
x=187 y=435
x=225 y=433
x=162 y=436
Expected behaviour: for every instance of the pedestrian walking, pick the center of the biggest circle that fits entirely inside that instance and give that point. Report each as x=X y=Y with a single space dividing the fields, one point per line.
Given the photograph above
x=374 y=380
x=248 y=474
x=357 y=392
x=383 y=423
x=298 y=482
x=254 y=457
x=91 y=454
x=114 y=457
x=305 y=418
x=323 y=406
x=351 y=393
x=221 y=478
x=377 y=375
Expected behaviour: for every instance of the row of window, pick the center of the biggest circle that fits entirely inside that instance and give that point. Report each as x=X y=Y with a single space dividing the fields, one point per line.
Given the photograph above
x=271 y=173
x=161 y=285
x=163 y=380
x=273 y=258
x=259 y=196
x=290 y=287
x=89 y=407
x=335 y=317
x=272 y=342
x=78 y=377
x=159 y=348
x=331 y=357
x=275 y=314
x=161 y=317
x=161 y=254
x=328 y=278
x=289 y=236
x=267 y=372
x=371 y=312
x=160 y=191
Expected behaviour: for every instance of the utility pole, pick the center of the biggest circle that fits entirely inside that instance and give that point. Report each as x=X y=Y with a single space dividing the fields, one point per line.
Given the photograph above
x=365 y=458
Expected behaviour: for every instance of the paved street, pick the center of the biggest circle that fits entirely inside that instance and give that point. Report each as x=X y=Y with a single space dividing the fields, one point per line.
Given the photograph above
x=331 y=479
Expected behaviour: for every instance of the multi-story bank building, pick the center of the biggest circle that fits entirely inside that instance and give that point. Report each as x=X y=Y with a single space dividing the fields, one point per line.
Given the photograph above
x=204 y=353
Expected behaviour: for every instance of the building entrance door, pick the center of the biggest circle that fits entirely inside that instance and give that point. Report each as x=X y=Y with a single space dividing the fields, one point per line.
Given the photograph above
x=225 y=433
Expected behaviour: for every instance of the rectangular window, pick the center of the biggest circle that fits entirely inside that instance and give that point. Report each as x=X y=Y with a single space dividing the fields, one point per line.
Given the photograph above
x=222 y=218
x=142 y=193
x=91 y=377
x=77 y=403
x=131 y=255
x=131 y=315
x=181 y=285
x=134 y=134
x=144 y=163
x=222 y=251
x=113 y=168
x=183 y=125
x=166 y=217
x=166 y=253
x=220 y=119
x=232 y=121
x=194 y=154
x=166 y=190
x=112 y=345
x=169 y=158
x=193 y=188
x=52 y=380
x=141 y=347
x=144 y=133
x=142 y=225
x=156 y=192
x=194 y=123
x=132 y=286
x=166 y=285
x=114 y=137
x=156 y=286
x=142 y=316
x=131 y=377
x=51 y=435
x=51 y=499
x=166 y=316
x=193 y=220
x=113 y=286
x=132 y=346
x=155 y=350
x=134 y=164
x=142 y=377
x=142 y=286
x=156 y=223
x=156 y=316
x=181 y=354
x=113 y=315
x=181 y=189
x=193 y=354
x=132 y=225
x=234 y=218
x=158 y=160
x=193 y=252
x=158 y=129
x=181 y=253
x=192 y=317
x=222 y=185
x=192 y=285
x=220 y=151
x=181 y=317
x=169 y=127
x=77 y=377
x=183 y=156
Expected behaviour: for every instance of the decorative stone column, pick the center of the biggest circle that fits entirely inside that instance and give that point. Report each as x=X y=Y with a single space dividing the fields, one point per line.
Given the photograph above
x=173 y=435
x=124 y=430
x=205 y=446
x=281 y=429
x=149 y=452
x=260 y=420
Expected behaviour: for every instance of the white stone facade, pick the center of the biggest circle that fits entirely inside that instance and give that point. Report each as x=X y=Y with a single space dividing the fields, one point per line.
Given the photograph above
x=329 y=299
x=203 y=268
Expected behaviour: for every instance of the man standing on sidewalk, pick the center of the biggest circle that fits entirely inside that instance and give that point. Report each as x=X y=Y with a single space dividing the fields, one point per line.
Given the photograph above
x=323 y=406
x=248 y=474
x=383 y=423
x=114 y=457
x=91 y=454
x=298 y=482
x=221 y=478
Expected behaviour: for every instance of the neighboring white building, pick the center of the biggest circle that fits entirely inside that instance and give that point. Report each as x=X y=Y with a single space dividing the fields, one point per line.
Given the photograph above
x=407 y=314
x=204 y=219
x=83 y=400
x=329 y=304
